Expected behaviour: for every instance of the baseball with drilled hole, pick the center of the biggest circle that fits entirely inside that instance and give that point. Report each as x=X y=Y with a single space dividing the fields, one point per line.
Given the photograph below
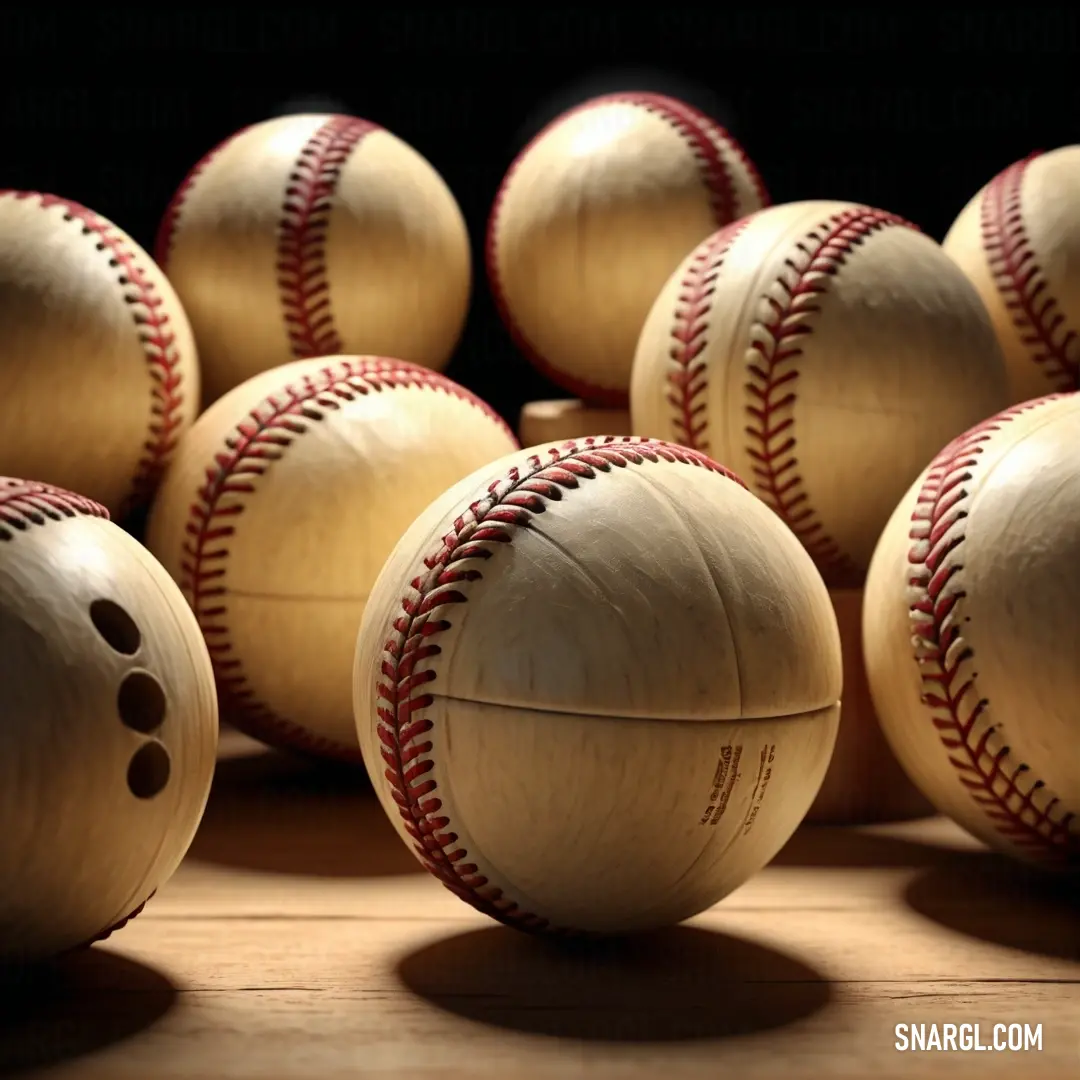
x=98 y=371
x=109 y=727
x=970 y=627
x=282 y=505
x=596 y=686
x=593 y=216
x=554 y=421
x=1018 y=240
x=316 y=235
x=825 y=351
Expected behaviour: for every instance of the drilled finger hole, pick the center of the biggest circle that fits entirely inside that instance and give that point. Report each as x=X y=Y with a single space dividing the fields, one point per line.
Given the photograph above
x=149 y=770
x=141 y=702
x=116 y=626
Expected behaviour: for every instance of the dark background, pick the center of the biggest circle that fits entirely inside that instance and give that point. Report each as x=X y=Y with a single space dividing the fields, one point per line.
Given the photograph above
x=905 y=109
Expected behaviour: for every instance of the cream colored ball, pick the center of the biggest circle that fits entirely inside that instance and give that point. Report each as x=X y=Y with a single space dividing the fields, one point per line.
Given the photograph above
x=825 y=351
x=98 y=372
x=972 y=614
x=108 y=727
x=316 y=235
x=596 y=686
x=279 y=511
x=1018 y=240
x=593 y=216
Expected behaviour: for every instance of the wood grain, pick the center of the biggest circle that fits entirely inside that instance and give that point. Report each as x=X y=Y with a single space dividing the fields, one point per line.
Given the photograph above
x=301 y=939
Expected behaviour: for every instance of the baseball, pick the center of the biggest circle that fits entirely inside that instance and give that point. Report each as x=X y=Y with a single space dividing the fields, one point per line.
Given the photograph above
x=864 y=784
x=971 y=619
x=316 y=235
x=556 y=421
x=278 y=512
x=98 y=372
x=590 y=220
x=825 y=351
x=597 y=685
x=1018 y=240
x=109 y=729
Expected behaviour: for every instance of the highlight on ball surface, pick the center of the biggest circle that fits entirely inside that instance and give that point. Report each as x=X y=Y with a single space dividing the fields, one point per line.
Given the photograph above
x=332 y=457
x=110 y=723
x=596 y=612
x=346 y=240
x=666 y=645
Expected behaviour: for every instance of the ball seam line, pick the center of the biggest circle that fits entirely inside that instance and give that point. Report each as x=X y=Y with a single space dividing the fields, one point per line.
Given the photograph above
x=702 y=136
x=706 y=141
x=25 y=503
x=302 y=274
x=116 y=926
x=688 y=379
x=403 y=693
x=156 y=337
x=1034 y=311
x=170 y=221
x=984 y=764
x=245 y=454
x=773 y=372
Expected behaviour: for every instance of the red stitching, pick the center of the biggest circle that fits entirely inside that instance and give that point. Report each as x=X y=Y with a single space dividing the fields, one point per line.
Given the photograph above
x=155 y=335
x=945 y=659
x=1014 y=265
x=404 y=692
x=116 y=926
x=248 y=451
x=756 y=179
x=24 y=503
x=701 y=135
x=170 y=221
x=305 y=217
x=774 y=347
x=689 y=379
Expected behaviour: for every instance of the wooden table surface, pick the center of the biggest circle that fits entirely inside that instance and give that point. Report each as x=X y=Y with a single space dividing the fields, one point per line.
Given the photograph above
x=300 y=939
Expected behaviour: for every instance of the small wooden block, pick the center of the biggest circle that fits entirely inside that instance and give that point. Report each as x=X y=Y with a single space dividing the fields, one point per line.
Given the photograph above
x=865 y=782
x=557 y=421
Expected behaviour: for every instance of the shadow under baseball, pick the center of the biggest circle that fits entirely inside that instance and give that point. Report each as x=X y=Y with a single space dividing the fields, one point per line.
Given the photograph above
x=76 y=1006
x=851 y=846
x=680 y=984
x=999 y=900
x=278 y=814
